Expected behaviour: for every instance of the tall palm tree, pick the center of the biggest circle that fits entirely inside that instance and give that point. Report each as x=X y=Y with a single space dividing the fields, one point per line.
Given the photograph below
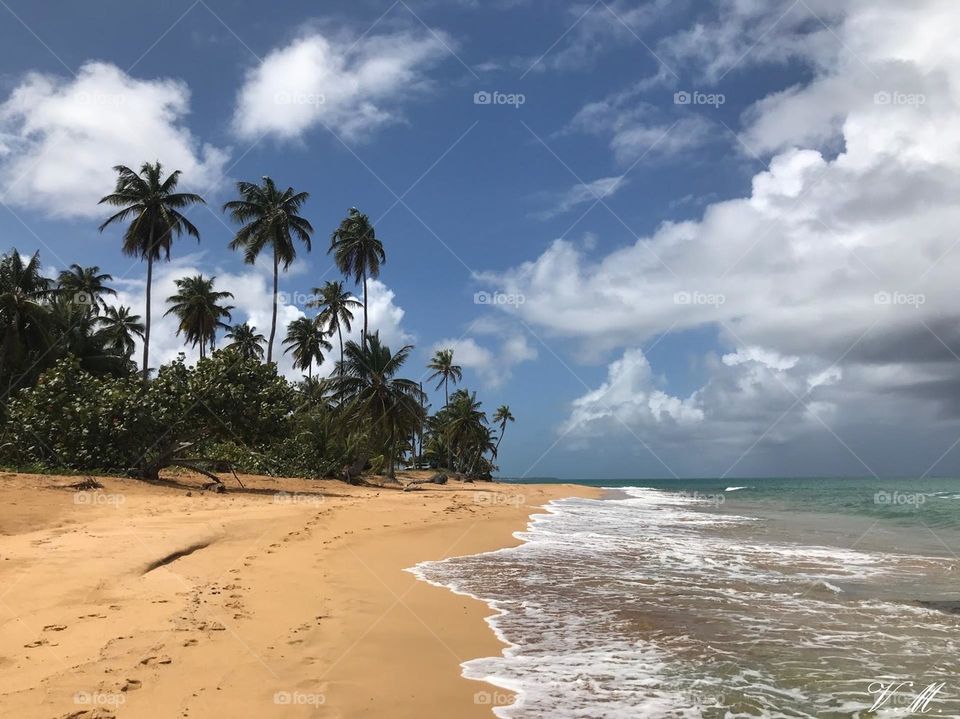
x=307 y=340
x=501 y=417
x=87 y=286
x=465 y=431
x=445 y=370
x=23 y=314
x=269 y=217
x=335 y=313
x=153 y=206
x=196 y=305
x=118 y=327
x=246 y=341
x=358 y=253
x=385 y=406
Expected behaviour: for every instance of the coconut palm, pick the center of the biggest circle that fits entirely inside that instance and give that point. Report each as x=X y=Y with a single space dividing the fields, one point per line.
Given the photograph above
x=385 y=406
x=335 y=305
x=246 y=341
x=308 y=342
x=86 y=286
x=118 y=327
x=74 y=328
x=358 y=253
x=501 y=417
x=153 y=207
x=465 y=431
x=269 y=218
x=445 y=371
x=196 y=305
x=24 y=321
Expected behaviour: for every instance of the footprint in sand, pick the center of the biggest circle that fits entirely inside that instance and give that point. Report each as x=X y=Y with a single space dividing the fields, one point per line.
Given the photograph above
x=35 y=644
x=131 y=685
x=161 y=659
x=55 y=627
x=191 y=643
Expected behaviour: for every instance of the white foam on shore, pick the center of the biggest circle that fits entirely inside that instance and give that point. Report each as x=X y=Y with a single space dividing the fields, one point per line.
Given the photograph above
x=601 y=610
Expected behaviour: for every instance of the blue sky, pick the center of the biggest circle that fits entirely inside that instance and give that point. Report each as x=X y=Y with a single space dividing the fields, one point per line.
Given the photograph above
x=718 y=233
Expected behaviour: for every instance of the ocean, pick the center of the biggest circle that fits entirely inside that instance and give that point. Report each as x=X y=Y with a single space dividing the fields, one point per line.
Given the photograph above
x=724 y=599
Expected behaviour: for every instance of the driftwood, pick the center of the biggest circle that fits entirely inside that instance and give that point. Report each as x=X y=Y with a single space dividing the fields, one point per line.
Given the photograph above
x=435 y=479
x=151 y=470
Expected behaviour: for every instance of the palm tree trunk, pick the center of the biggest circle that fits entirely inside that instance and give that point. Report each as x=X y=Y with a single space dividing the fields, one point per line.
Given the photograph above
x=340 y=336
x=364 y=343
x=503 y=428
x=146 y=322
x=273 y=321
x=446 y=395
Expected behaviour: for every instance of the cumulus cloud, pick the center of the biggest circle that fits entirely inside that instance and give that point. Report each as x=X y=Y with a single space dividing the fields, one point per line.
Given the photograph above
x=60 y=137
x=352 y=86
x=833 y=279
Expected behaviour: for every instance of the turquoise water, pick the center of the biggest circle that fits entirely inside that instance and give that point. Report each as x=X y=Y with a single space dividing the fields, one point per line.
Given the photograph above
x=931 y=502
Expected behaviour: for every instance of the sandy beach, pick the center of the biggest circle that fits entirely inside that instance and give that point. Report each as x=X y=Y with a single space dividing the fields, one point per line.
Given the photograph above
x=287 y=599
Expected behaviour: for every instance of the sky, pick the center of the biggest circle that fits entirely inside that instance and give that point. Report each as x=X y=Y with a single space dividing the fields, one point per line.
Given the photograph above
x=679 y=238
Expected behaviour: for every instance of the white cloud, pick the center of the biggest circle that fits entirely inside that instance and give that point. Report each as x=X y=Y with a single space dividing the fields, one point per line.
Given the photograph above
x=835 y=276
x=60 y=138
x=493 y=366
x=583 y=193
x=352 y=87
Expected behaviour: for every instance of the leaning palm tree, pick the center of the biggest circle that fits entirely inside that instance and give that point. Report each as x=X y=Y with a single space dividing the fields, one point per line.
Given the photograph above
x=269 y=218
x=24 y=320
x=118 y=327
x=308 y=342
x=153 y=206
x=465 y=431
x=86 y=286
x=246 y=341
x=335 y=313
x=501 y=417
x=445 y=371
x=358 y=253
x=383 y=406
x=196 y=305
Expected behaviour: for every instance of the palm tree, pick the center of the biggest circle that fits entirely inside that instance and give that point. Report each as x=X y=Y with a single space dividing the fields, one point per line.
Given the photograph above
x=86 y=285
x=246 y=341
x=445 y=370
x=308 y=342
x=153 y=206
x=385 y=406
x=23 y=314
x=335 y=303
x=196 y=306
x=269 y=218
x=118 y=327
x=501 y=417
x=358 y=253
x=465 y=431
x=74 y=328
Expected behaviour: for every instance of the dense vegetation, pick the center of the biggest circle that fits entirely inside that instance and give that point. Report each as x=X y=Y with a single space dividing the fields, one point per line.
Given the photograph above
x=72 y=397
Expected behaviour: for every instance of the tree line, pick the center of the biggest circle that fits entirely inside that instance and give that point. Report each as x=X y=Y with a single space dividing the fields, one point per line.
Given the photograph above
x=74 y=398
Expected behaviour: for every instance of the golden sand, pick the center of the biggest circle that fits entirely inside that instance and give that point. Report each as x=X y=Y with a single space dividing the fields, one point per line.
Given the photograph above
x=288 y=599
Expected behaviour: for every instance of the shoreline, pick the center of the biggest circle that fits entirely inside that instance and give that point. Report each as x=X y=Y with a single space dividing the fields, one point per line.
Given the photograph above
x=293 y=597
